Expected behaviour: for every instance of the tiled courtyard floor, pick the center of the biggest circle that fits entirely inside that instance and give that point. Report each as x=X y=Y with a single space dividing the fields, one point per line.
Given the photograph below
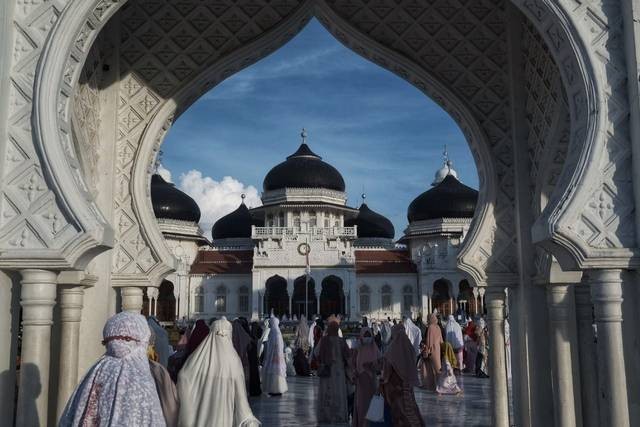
x=297 y=407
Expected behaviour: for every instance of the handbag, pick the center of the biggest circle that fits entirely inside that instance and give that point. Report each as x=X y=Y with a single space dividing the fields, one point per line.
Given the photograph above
x=324 y=371
x=375 y=413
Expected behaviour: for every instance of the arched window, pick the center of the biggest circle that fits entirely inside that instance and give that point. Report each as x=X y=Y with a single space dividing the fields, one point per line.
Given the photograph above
x=407 y=298
x=198 y=303
x=243 y=299
x=281 y=219
x=270 y=220
x=313 y=219
x=386 y=298
x=221 y=299
x=365 y=299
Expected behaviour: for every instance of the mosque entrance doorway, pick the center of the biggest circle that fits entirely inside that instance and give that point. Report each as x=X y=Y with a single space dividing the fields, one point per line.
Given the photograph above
x=166 y=306
x=276 y=297
x=441 y=298
x=299 y=302
x=332 y=297
x=466 y=298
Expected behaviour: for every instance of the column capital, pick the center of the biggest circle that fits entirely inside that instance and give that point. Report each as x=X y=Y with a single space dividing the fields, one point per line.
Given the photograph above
x=38 y=291
x=606 y=294
x=131 y=298
x=558 y=302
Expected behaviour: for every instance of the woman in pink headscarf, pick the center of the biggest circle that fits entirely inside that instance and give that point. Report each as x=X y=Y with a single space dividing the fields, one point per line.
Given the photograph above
x=430 y=360
x=119 y=389
x=368 y=362
x=399 y=377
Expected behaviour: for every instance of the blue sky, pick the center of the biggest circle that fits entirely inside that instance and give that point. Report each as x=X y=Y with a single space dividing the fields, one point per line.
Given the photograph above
x=380 y=132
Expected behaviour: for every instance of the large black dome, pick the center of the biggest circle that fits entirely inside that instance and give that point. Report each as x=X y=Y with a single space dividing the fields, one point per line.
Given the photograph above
x=235 y=225
x=449 y=199
x=303 y=169
x=171 y=203
x=371 y=224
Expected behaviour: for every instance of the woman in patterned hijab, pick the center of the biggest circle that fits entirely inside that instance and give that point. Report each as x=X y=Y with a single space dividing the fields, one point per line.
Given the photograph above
x=119 y=389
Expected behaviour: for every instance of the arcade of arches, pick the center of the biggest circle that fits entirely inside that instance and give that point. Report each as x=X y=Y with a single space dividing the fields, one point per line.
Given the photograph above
x=331 y=301
x=545 y=92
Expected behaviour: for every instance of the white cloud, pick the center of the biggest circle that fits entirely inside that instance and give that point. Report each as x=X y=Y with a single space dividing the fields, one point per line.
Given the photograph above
x=164 y=173
x=217 y=198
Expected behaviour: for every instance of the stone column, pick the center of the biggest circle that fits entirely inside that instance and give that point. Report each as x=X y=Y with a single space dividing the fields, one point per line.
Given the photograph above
x=131 y=299
x=481 y=292
x=562 y=375
x=38 y=296
x=587 y=355
x=71 y=304
x=606 y=295
x=497 y=358
x=475 y=301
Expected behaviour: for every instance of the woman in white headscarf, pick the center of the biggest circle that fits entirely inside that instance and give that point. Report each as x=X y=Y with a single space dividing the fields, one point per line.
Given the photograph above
x=385 y=334
x=263 y=338
x=414 y=334
x=274 y=368
x=453 y=335
x=119 y=389
x=211 y=384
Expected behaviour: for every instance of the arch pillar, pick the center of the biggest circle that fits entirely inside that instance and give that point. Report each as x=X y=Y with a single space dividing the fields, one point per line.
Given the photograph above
x=497 y=358
x=37 y=298
x=71 y=293
x=606 y=295
x=587 y=355
x=558 y=303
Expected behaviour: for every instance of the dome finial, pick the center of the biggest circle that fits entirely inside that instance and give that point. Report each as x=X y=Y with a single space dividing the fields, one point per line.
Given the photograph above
x=303 y=134
x=243 y=196
x=446 y=169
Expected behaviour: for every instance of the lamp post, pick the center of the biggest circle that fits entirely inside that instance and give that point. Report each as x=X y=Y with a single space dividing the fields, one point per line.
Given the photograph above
x=304 y=249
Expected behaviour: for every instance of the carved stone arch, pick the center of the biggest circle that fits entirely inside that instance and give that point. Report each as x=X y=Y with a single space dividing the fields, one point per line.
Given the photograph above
x=570 y=227
x=66 y=50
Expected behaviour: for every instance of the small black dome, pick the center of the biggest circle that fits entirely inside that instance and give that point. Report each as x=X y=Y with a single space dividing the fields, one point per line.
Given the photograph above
x=171 y=203
x=449 y=199
x=235 y=225
x=303 y=169
x=371 y=224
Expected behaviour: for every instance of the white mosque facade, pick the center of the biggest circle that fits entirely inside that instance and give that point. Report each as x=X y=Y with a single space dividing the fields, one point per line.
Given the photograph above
x=305 y=251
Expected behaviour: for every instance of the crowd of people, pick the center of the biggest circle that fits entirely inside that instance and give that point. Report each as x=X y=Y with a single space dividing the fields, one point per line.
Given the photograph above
x=208 y=378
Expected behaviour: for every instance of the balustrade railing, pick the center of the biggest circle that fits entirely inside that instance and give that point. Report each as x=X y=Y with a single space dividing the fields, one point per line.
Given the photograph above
x=280 y=232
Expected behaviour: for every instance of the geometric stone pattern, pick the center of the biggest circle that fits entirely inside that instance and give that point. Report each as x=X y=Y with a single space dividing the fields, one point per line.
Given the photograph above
x=608 y=219
x=162 y=45
x=86 y=113
x=547 y=117
x=604 y=218
x=30 y=217
x=463 y=45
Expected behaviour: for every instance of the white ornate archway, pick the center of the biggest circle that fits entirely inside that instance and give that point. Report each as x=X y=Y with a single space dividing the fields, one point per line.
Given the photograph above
x=465 y=55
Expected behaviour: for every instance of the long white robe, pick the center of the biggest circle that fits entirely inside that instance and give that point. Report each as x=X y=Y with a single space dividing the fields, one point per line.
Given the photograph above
x=453 y=333
x=211 y=384
x=274 y=368
x=118 y=390
x=414 y=334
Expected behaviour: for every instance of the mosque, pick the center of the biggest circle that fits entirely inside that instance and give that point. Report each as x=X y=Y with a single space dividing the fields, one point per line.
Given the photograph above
x=305 y=251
